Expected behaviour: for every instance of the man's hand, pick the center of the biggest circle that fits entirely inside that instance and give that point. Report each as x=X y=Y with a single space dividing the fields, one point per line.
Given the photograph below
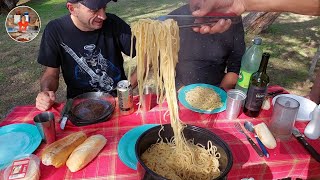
x=45 y=100
x=49 y=84
x=134 y=79
x=229 y=81
x=219 y=27
x=202 y=7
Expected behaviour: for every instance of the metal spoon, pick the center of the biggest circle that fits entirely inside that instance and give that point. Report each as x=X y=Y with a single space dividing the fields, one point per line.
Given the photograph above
x=249 y=126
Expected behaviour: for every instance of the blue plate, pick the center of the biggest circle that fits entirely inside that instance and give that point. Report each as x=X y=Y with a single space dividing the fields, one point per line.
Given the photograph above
x=17 y=140
x=126 y=146
x=219 y=91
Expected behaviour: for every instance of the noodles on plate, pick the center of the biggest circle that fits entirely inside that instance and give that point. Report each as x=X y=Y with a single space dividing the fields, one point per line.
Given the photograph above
x=203 y=98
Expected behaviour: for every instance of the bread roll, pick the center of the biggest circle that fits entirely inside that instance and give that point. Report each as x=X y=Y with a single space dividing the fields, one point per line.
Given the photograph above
x=265 y=135
x=86 y=152
x=266 y=104
x=57 y=153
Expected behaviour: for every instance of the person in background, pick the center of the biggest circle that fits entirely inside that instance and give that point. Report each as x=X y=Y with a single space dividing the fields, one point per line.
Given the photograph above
x=203 y=7
x=306 y=7
x=212 y=59
x=10 y=22
x=314 y=94
x=34 y=21
x=87 y=46
x=23 y=24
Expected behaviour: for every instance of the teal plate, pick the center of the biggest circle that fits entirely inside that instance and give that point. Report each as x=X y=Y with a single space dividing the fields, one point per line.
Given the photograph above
x=17 y=140
x=219 y=91
x=126 y=146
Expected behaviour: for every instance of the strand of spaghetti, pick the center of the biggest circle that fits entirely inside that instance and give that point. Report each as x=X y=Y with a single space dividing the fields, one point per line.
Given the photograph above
x=131 y=58
x=174 y=158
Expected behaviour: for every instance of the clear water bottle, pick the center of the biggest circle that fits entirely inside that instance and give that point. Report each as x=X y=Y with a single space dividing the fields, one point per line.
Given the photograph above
x=312 y=131
x=26 y=14
x=249 y=64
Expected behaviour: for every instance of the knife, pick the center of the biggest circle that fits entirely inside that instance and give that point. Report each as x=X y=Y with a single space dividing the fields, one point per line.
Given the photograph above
x=305 y=144
x=65 y=113
x=275 y=93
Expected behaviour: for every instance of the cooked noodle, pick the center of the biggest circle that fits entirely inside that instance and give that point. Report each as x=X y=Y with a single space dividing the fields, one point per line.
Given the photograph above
x=177 y=158
x=203 y=98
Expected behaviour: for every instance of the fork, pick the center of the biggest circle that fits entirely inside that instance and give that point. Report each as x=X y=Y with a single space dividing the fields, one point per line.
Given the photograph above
x=254 y=145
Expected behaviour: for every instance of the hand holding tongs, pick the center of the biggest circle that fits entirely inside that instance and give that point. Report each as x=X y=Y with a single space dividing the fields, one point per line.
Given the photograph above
x=193 y=21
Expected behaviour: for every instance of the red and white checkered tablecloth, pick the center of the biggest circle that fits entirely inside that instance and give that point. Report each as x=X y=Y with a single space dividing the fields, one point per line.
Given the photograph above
x=288 y=159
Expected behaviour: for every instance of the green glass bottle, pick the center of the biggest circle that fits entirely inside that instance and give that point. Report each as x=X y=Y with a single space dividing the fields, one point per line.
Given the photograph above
x=257 y=88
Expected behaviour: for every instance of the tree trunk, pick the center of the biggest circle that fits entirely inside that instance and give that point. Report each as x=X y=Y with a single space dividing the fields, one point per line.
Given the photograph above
x=7 y=5
x=314 y=62
x=256 y=22
x=10 y=3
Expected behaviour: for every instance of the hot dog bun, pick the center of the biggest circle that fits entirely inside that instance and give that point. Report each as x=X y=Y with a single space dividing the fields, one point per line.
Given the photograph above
x=57 y=153
x=86 y=152
x=265 y=135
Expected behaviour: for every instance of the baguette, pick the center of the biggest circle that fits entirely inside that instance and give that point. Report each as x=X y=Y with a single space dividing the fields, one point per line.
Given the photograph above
x=86 y=152
x=57 y=153
x=265 y=135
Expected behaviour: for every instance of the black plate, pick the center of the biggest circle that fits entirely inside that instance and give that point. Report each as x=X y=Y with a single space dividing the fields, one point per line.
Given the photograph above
x=92 y=107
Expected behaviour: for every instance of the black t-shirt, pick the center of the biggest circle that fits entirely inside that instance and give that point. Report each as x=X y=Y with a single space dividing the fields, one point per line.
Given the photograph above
x=204 y=58
x=90 y=61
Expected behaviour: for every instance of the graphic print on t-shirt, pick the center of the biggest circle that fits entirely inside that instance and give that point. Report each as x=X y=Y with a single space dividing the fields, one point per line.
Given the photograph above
x=92 y=63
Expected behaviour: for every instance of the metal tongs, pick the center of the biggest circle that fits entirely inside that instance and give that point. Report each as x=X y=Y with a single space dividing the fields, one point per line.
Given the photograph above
x=185 y=21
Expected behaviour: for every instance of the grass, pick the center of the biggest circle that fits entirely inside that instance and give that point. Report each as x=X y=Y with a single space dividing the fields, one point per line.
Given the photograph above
x=292 y=41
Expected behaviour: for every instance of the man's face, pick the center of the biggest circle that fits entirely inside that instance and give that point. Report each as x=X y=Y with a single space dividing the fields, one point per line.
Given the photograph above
x=88 y=19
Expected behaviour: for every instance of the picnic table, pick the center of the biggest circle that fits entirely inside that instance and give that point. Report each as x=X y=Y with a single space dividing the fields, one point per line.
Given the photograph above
x=288 y=159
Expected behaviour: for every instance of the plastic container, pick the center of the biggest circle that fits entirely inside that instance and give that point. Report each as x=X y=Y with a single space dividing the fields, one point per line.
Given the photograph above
x=25 y=167
x=283 y=117
x=200 y=135
x=312 y=131
x=234 y=103
x=249 y=64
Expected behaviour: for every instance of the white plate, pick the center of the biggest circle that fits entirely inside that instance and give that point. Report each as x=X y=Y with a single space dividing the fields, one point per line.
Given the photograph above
x=305 y=109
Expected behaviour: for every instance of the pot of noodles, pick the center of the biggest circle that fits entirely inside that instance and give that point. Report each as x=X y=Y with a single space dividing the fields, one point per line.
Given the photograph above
x=159 y=158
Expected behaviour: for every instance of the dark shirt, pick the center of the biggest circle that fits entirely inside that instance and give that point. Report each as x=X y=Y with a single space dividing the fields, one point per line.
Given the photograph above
x=90 y=61
x=204 y=58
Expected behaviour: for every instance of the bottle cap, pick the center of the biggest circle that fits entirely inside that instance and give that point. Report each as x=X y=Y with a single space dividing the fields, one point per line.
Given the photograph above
x=257 y=41
x=266 y=55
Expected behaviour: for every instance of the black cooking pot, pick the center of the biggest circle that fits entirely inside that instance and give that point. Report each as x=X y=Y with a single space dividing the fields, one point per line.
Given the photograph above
x=91 y=108
x=200 y=135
